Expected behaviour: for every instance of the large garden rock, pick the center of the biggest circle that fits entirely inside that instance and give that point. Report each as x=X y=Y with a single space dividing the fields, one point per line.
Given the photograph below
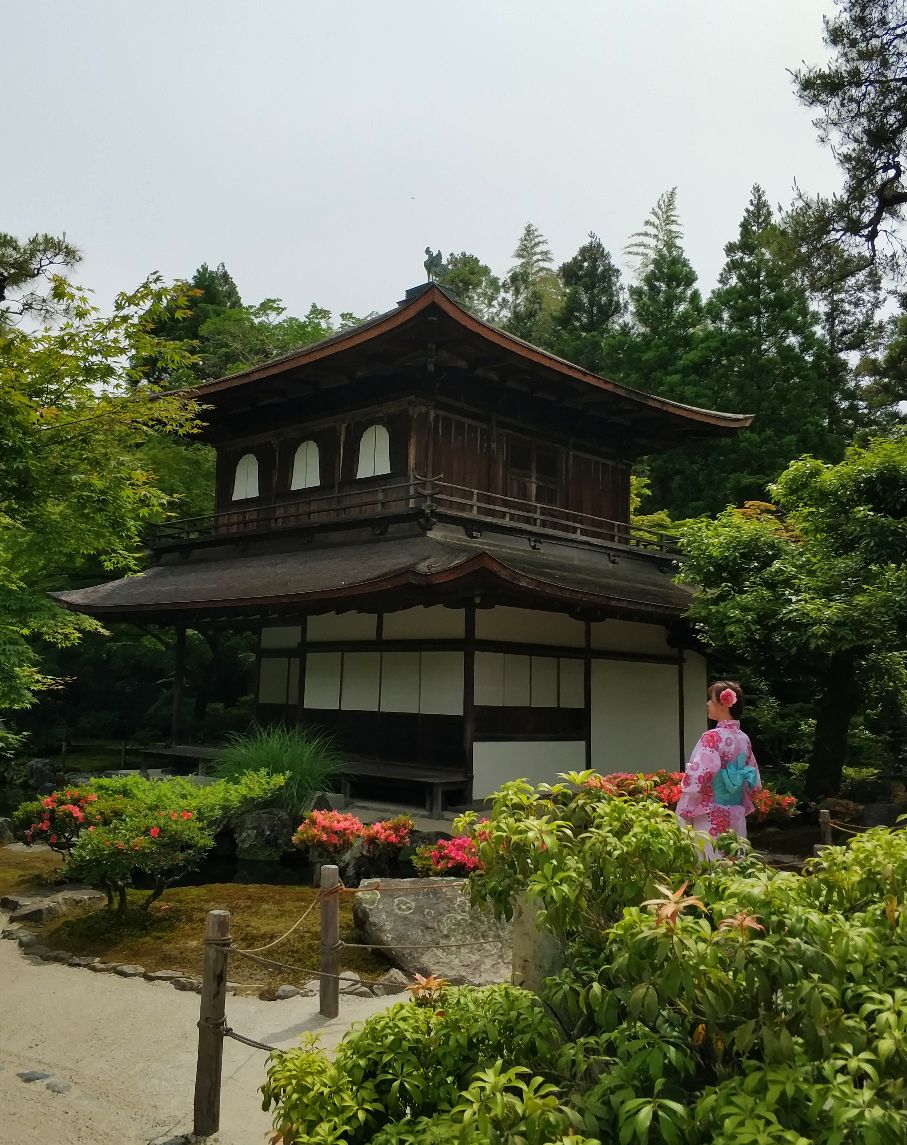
x=263 y=834
x=43 y=907
x=6 y=832
x=428 y=927
x=40 y=773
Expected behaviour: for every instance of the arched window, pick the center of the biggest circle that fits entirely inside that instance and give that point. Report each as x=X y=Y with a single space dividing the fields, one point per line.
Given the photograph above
x=306 y=467
x=245 y=483
x=374 y=452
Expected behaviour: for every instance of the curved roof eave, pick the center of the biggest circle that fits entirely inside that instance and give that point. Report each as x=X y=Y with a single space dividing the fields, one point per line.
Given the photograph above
x=436 y=296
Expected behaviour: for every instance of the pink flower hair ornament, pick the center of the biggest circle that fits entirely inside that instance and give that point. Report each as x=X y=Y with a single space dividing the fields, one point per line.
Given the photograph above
x=727 y=698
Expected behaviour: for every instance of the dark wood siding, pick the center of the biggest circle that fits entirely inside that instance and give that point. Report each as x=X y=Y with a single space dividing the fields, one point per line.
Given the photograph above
x=461 y=451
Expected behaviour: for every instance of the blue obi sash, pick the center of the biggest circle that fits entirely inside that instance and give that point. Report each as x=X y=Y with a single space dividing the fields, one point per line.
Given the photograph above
x=730 y=783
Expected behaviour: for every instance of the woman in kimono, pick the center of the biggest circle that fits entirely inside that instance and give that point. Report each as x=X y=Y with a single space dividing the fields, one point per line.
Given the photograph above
x=721 y=773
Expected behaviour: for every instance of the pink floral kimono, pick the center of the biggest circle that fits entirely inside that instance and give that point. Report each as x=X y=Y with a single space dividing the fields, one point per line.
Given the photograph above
x=719 y=778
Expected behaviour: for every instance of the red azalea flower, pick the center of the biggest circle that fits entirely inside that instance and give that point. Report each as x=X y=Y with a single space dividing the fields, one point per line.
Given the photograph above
x=154 y=832
x=187 y=814
x=52 y=839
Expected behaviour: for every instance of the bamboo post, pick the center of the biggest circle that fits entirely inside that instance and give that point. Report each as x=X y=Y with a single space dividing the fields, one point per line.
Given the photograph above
x=825 y=826
x=210 y=1025
x=329 y=990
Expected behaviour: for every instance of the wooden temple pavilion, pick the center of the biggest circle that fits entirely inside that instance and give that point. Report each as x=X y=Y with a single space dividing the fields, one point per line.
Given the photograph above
x=427 y=521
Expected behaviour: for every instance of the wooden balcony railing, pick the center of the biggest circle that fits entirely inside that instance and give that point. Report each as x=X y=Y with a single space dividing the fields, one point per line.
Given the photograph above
x=423 y=496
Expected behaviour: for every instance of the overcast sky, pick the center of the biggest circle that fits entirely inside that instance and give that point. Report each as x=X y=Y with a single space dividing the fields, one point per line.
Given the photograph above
x=317 y=146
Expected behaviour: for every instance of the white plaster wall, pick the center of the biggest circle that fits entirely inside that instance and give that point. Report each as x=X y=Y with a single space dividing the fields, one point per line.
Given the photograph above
x=630 y=636
x=489 y=679
x=342 y=626
x=281 y=637
x=322 y=680
x=441 y=691
x=543 y=687
x=695 y=682
x=360 y=686
x=528 y=626
x=517 y=689
x=572 y=674
x=434 y=623
x=272 y=680
x=635 y=716
x=537 y=761
x=400 y=682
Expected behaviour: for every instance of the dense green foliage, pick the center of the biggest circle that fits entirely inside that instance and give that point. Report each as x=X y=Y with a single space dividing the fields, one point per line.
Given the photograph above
x=725 y=1003
x=114 y=829
x=75 y=493
x=859 y=96
x=816 y=582
x=307 y=761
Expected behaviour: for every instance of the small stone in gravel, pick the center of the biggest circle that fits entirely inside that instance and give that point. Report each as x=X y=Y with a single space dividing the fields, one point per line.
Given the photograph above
x=186 y=984
x=286 y=991
x=101 y=967
x=57 y=1086
x=126 y=970
x=82 y=960
x=33 y=1075
x=10 y=932
x=393 y=982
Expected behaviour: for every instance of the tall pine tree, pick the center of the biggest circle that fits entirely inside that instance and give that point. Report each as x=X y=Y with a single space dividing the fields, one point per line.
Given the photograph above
x=760 y=354
x=532 y=289
x=593 y=303
x=665 y=307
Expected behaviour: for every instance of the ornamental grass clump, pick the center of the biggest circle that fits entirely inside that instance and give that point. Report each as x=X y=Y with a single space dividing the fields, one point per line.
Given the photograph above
x=307 y=760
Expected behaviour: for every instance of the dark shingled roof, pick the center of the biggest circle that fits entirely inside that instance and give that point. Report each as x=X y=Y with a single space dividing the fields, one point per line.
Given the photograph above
x=313 y=576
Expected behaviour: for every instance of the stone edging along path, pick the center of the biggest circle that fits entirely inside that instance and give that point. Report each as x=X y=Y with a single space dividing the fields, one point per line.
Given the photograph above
x=43 y=906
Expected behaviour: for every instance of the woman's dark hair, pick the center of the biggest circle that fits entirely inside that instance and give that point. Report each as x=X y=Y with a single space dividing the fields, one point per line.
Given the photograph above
x=718 y=687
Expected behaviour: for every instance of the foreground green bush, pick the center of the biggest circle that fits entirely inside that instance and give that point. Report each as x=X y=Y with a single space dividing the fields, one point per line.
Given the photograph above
x=727 y=1003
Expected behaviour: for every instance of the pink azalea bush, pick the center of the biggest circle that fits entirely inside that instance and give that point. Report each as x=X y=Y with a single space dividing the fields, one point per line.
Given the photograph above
x=330 y=832
x=388 y=836
x=665 y=786
x=458 y=856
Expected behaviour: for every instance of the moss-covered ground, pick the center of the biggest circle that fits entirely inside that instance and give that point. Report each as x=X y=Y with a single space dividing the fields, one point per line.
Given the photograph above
x=169 y=936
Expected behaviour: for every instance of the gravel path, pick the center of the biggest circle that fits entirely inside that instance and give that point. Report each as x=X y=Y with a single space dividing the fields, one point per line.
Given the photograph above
x=118 y=1055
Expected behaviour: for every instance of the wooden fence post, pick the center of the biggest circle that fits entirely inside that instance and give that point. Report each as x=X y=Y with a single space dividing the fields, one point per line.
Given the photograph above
x=329 y=988
x=825 y=826
x=210 y=1022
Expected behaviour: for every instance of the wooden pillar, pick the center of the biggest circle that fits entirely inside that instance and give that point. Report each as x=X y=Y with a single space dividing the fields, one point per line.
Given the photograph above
x=681 y=715
x=178 y=673
x=587 y=693
x=212 y=1009
x=469 y=690
x=329 y=987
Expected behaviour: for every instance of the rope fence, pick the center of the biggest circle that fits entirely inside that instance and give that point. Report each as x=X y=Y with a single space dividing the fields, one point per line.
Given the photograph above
x=213 y=1028
x=827 y=827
